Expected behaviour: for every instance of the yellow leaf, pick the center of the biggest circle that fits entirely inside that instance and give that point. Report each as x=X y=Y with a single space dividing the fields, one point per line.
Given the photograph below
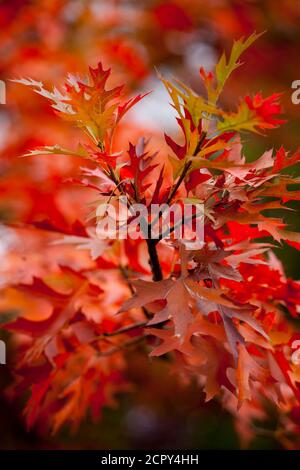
x=224 y=69
x=242 y=120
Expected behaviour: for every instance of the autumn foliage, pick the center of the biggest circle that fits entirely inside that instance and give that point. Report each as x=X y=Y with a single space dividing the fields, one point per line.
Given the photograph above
x=223 y=316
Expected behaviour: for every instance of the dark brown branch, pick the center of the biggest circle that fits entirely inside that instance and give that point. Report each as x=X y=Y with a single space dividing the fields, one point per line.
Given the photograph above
x=151 y=244
x=127 y=344
x=154 y=260
x=181 y=178
x=120 y=331
x=125 y=329
x=200 y=142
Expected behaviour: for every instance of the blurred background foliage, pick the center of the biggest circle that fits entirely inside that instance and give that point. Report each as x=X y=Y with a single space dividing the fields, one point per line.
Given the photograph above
x=45 y=40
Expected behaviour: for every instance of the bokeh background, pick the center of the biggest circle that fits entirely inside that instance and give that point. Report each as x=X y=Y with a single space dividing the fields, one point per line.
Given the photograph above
x=47 y=39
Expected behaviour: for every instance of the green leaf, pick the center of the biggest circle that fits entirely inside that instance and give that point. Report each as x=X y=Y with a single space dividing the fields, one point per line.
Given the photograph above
x=224 y=69
x=57 y=150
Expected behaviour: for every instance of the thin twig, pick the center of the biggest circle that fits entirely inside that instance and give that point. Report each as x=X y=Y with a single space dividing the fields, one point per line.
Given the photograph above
x=127 y=344
x=147 y=314
x=199 y=145
x=186 y=167
x=125 y=329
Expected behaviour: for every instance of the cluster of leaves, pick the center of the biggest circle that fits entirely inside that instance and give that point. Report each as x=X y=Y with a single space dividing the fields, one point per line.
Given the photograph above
x=221 y=314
